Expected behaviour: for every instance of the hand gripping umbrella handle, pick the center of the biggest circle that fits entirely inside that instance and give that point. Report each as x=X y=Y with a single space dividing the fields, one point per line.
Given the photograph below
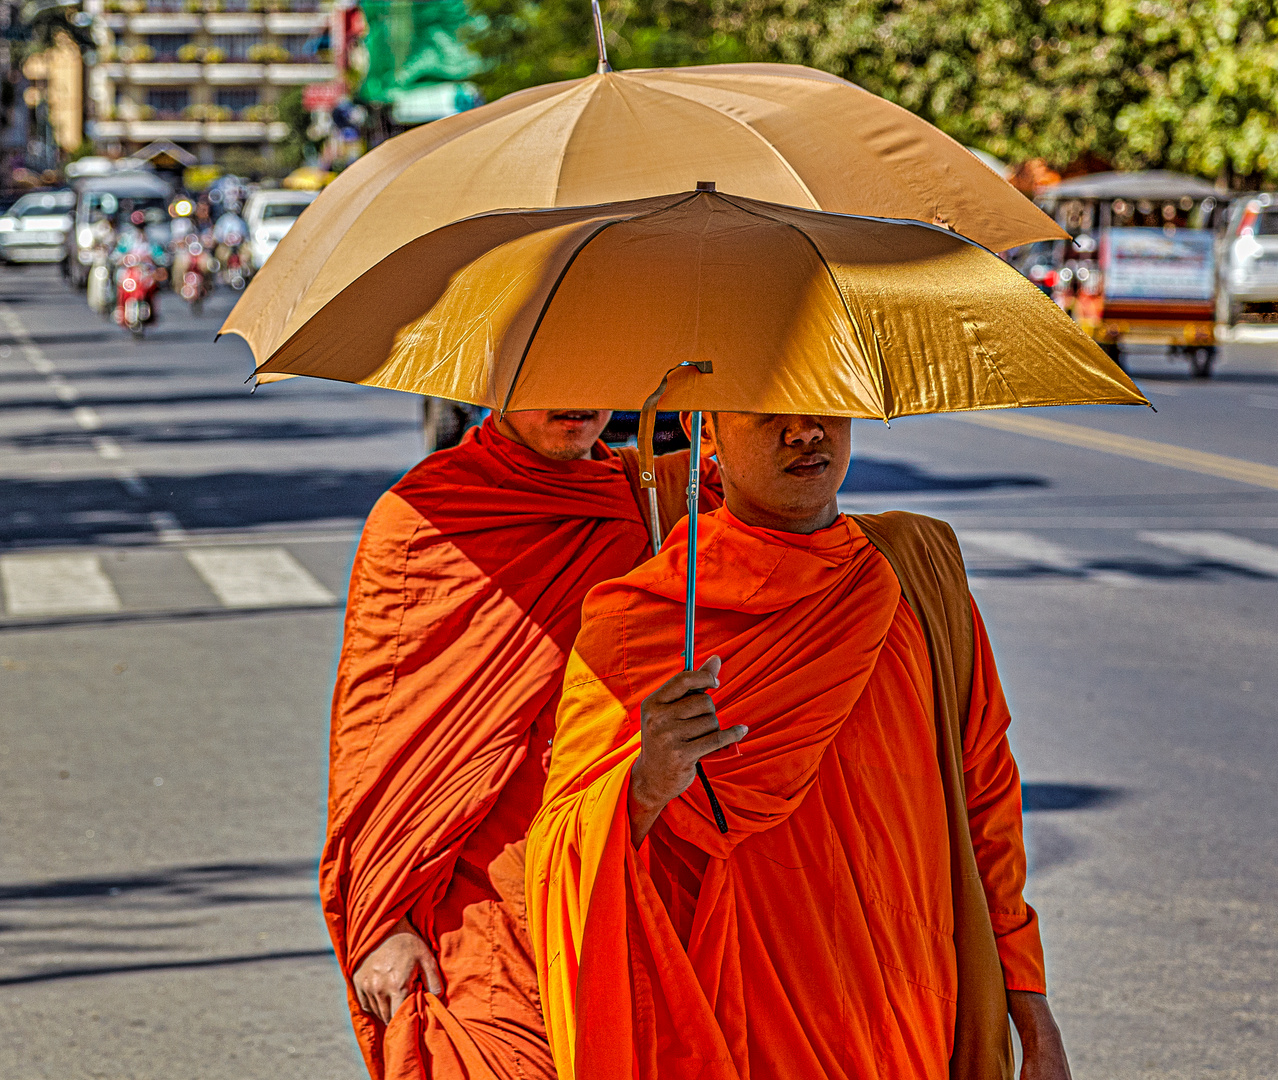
x=690 y=604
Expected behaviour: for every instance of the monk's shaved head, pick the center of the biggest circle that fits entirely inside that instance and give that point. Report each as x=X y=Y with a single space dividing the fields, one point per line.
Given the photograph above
x=558 y=434
x=781 y=471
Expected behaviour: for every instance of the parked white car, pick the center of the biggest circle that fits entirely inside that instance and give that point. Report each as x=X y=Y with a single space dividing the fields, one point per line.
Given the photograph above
x=36 y=226
x=1247 y=292
x=269 y=215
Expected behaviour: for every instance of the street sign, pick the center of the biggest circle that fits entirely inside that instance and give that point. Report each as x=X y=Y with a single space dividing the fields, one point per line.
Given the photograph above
x=321 y=97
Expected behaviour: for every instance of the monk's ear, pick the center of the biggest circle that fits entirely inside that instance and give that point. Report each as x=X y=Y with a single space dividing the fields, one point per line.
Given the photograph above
x=708 y=446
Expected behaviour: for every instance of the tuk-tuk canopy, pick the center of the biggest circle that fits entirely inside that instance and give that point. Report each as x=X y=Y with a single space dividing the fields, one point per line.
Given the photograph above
x=1154 y=184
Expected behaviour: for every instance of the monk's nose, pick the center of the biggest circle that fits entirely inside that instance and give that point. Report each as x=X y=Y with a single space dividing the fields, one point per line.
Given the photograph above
x=803 y=431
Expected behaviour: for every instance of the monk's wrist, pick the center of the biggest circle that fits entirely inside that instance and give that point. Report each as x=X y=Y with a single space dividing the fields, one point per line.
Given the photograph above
x=643 y=809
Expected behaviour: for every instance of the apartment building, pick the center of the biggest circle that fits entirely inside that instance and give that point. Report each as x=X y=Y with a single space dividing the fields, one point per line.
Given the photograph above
x=205 y=74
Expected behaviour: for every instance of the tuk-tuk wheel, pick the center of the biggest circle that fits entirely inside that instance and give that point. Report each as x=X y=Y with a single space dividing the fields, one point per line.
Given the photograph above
x=1201 y=361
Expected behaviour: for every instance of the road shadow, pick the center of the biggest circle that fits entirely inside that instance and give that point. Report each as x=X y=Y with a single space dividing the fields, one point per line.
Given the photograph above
x=1146 y=569
x=1040 y=796
x=80 y=510
x=869 y=474
x=209 y=431
x=53 y=930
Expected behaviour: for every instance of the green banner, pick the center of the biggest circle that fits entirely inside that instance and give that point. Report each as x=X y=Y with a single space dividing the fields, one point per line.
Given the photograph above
x=413 y=44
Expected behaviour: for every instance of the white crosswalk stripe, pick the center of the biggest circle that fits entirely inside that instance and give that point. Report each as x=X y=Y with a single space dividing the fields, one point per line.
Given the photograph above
x=1027 y=548
x=56 y=585
x=251 y=577
x=1220 y=547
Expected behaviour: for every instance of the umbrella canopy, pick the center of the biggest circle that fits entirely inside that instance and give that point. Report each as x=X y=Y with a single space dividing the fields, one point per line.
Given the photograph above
x=798 y=311
x=776 y=132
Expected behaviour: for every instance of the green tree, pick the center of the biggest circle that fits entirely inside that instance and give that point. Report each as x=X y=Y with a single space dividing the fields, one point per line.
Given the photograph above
x=525 y=42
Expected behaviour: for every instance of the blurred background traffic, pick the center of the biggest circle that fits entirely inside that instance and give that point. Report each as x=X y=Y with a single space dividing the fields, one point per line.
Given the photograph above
x=174 y=550
x=154 y=146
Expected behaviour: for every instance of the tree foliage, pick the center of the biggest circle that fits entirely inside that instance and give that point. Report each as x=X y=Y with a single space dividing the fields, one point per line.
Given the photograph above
x=1181 y=84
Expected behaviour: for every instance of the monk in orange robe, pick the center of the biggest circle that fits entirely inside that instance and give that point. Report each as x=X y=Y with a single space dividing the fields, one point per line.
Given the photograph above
x=817 y=937
x=465 y=599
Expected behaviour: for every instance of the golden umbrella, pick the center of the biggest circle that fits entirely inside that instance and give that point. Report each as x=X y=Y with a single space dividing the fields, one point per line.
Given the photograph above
x=753 y=306
x=775 y=132
x=796 y=310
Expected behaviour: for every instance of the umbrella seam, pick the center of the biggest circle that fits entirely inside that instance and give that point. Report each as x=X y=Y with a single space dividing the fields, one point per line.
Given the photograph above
x=554 y=289
x=884 y=388
x=757 y=134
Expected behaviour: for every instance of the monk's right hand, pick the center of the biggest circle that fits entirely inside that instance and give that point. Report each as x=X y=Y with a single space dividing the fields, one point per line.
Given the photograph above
x=385 y=978
x=679 y=728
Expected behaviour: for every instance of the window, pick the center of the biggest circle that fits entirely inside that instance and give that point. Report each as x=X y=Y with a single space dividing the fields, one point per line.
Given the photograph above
x=237 y=98
x=165 y=46
x=169 y=102
x=235 y=46
x=296 y=44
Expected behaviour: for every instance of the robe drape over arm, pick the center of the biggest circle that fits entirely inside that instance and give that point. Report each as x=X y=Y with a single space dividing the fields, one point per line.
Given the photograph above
x=465 y=598
x=815 y=939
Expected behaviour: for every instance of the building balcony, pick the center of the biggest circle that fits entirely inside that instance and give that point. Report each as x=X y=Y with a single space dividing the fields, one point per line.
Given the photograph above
x=233 y=131
x=296 y=22
x=234 y=74
x=164 y=74
x=300 y=74
x=107 y=129
x=234 y=23
x=165 y=22
x=176 y=130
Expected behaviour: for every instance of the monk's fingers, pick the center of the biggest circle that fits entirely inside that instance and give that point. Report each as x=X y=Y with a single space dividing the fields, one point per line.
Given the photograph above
x=380 y=1002
x=430 y=972
x=394 y=1000
x=684 y=683
x=362 y=997
x=717 y=740
x=685 y=710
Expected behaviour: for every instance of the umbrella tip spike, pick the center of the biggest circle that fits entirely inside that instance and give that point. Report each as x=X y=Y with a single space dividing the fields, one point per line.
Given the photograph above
x=597 y=15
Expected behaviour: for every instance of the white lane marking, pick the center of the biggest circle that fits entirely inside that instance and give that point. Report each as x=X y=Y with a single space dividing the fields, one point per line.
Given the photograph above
x=1028 y=548
x=107 y=447
x=257 y=577
x=87 y=418
x=64 y=390
x=43 y=365
x=1218 y=547
x=56 y=585
x=166 y=525
x=133 y=483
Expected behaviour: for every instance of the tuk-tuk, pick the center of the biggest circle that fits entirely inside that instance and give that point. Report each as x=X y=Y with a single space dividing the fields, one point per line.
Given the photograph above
x=1140 y=268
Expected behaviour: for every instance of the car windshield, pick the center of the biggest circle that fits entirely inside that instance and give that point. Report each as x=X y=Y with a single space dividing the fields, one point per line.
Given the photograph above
x=43 y=202
x=276 y=210
x=1267 y=223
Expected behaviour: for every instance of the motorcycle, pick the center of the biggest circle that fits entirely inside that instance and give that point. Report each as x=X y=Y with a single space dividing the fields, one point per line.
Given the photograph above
x=198 y=268
x=137 y=292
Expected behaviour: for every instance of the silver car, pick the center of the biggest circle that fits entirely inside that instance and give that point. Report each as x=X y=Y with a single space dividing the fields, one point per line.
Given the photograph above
x=1247 y=291
x=36 y=226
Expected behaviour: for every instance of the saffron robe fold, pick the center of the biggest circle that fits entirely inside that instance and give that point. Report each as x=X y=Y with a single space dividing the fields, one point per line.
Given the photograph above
x=465 y=598
x=815 y=939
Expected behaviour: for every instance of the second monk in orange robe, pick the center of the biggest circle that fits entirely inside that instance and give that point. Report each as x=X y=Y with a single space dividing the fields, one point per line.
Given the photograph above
x=816 y=938
x=465 y=598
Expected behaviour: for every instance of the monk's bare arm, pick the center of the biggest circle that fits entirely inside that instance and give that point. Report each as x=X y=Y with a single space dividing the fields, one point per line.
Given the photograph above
x=1044 y=1050
x=384 y=978
x=679 y=729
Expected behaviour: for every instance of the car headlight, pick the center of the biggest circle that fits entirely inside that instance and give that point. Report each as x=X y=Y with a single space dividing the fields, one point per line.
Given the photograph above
x=1248 y=247
x=84 y=237
x=7 y=224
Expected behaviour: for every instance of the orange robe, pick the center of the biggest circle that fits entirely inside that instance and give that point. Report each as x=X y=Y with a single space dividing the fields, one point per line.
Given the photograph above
x=815 y=939
x=465 y=598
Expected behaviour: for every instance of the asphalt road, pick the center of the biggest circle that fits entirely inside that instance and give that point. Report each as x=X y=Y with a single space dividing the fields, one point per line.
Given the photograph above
x=173 y=551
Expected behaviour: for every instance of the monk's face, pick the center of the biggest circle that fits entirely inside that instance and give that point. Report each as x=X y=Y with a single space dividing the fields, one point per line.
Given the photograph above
x=781 y=472
x=560 y=434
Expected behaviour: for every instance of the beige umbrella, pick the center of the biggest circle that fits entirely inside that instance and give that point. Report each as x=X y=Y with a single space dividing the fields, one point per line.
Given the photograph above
x=774 y=132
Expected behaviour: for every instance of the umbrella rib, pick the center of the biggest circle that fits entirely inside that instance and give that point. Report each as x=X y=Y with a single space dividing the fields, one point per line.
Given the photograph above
x=554 y=289
x=816 y=205
x=884 y=389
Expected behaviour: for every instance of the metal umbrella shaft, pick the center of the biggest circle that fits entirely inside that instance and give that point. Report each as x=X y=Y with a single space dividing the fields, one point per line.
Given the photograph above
x=690 y=603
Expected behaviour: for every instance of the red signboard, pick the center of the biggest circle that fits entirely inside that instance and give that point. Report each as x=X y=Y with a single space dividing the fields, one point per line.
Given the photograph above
x=321 y=97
